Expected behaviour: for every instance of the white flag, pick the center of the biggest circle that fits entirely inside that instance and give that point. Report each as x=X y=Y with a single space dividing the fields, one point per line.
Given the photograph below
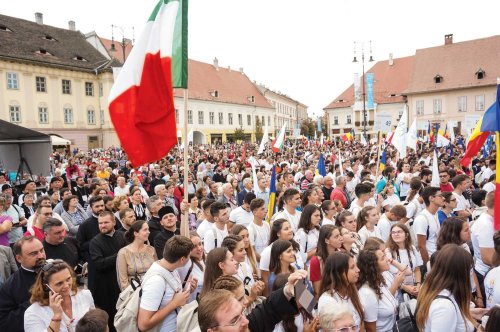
x=412 y=136
x=363 y=140
x=321 y=139
x=340 y=164
x=264 y=140
x=399 y=136
x=452 y=132
x=254 y=177
x=435 y=171
x=442 y=141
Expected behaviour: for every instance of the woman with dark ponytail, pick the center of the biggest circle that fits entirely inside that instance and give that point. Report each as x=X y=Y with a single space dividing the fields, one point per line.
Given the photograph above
x=135 y=259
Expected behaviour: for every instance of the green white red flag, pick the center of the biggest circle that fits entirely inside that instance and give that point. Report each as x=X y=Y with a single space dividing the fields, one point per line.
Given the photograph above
x=141 y=102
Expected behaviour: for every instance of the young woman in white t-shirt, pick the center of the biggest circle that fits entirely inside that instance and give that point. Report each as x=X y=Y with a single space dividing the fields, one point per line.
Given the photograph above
x=399 y=248
x=308 y=231
x=380 y=305
x=251 y=260
x=445 y=297
x=347 y=220
x=367 y=223
x=196 y=268
x=220 y=261
x=338 y=285
x=329 y=212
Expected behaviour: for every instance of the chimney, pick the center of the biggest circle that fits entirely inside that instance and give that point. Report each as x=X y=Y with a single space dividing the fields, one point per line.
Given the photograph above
x=448 y=39
x=391 y=60
x=39 y=18
x=216 y=63
x=229 y=68
x=71 y=25
x=241 y=70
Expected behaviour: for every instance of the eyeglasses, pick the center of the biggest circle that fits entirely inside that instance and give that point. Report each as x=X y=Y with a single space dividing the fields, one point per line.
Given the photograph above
x=352 y=328
x=235 y=323
x=50 y=263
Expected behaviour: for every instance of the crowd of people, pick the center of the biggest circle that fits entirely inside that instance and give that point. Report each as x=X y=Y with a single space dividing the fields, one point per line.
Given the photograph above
x=367 y=243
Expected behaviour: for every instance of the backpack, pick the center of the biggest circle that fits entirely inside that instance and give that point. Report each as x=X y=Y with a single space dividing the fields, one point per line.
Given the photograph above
x=127 y=306
x=187 y=319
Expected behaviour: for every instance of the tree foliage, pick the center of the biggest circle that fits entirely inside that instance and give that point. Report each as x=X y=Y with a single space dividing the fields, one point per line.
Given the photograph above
x=258 y=129
x=239 y=134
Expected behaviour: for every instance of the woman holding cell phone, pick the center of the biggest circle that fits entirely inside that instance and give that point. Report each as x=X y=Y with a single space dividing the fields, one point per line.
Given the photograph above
x=56 y=303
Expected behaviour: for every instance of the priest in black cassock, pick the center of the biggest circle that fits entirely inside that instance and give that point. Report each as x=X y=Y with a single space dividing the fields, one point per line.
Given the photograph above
x=104 y=249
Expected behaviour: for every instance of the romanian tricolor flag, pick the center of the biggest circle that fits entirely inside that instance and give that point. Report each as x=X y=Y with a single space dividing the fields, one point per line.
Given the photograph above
x=347 y=137
x=271 y=207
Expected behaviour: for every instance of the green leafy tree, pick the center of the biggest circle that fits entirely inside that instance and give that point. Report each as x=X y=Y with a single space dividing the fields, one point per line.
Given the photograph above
x=239 y=134
x=258 y=129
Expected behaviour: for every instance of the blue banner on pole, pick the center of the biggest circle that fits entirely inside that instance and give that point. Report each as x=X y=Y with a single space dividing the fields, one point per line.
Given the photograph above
x=319 y=124
x=369 y=90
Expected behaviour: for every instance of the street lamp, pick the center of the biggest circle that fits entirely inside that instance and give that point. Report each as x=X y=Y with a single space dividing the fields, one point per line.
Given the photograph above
x=363 y=65
x=124 y=43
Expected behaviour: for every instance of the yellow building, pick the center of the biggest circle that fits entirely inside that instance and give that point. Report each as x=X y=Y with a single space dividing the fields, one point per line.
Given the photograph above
x=54 y=81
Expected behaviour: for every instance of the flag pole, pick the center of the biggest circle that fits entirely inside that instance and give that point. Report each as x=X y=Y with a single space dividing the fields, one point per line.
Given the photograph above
x=184 y=225
x=378 y=153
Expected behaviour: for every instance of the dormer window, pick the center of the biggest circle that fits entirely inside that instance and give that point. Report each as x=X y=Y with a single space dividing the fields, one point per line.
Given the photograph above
x=251 y=99
x=480 y=74
x=214 y=93
x=43 y=51
x=438 y=79
x=340 y=101
x=79 y=58
x=47 y=37
x=4 y=28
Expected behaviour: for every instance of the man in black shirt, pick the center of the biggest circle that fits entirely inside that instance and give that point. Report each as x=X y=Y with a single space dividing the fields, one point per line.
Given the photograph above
x=57 y=245
x=15 y=292
x=81 y=191
x=154 y=204
x=168 y=221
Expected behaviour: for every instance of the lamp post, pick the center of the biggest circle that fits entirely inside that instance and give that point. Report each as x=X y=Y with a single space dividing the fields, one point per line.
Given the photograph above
x=355 y=60
x=124 y=43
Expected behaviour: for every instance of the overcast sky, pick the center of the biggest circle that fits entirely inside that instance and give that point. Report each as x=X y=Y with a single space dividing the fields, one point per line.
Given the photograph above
x=301 y=48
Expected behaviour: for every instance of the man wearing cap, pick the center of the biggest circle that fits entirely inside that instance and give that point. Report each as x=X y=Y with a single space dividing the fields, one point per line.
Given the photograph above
x=168 y=221
x=29 y=188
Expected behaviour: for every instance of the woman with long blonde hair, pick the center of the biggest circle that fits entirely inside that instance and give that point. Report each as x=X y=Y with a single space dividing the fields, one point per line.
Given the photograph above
x=242 y=231
x=444 y=300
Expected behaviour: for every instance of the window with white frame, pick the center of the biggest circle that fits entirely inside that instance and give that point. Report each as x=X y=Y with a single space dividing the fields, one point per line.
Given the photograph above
x=480 y=103
x=66 y=87
x=263 y=120
x=89 y=89
x=462 y=103
x=349 y=119
x=420 y=107
x=43 y=115
x=240 y=119
x=68 y=115
x=335 y=120
x=12 y=81
x=436 y=106
x=176 y=116
x=101 y=90
x=221 y=118
x=249 y=120
x=211 y=115
x=268 y=120
x=200 y=117
x=15 y=113
x=230 y=118
x=101 y=115
x=90 y=116
x=190 y=117
x=41 y=84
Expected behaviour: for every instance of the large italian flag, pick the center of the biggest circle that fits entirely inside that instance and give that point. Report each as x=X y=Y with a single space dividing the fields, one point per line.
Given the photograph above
x=141 y=102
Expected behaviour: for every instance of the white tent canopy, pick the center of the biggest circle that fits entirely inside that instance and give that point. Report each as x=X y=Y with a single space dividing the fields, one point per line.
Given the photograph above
x=56 y=140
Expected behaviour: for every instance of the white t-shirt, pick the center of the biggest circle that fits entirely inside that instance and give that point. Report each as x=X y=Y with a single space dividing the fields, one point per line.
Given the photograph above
x=240 y=216
x=382 y=311
x=259 y=235
x=153 y=298
x=299 y=323
x=482 y=232
x=427 y=221
x=444 y=315
x=307 y=241
x=244 y=271
x=209 y=242
x=327 y=221
x=327 y=298
x=203 y=227
x=292 y=219
x=364 y=233
x=413 y=208
x=403 y=258
x=265 y=258
x=403 y=187
x=462 y=203
x=492 y=287
x=489 y=186
x=391 y=201
x=355 y=208
x=384 y=225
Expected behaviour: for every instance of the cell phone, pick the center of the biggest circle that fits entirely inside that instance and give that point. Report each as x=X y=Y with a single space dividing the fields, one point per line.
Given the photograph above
x=304 y=297
x=50 y=288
